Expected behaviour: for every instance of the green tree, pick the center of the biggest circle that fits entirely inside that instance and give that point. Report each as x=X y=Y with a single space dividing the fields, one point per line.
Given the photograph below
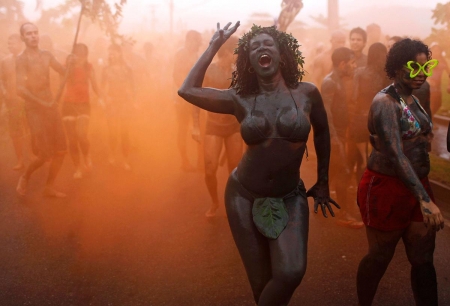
x=441 y=16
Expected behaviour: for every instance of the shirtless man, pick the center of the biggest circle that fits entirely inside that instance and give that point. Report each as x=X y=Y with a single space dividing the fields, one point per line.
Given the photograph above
x=44 y=120
x=13 y=102
x=322 y=63
x=335 y=100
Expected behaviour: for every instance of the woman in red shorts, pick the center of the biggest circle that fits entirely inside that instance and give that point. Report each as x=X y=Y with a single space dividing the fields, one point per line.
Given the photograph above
x=76 y=108
x=394 y=194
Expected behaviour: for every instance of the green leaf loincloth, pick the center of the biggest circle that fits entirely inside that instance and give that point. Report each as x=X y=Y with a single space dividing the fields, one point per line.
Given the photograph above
x=270 y=216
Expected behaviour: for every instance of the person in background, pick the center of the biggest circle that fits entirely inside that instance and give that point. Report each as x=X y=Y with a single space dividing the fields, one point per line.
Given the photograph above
x=367 y=82
x=435 y=80
x=76 y=110
x=335 y=100
x=118 y=88
x=394 y=194
x=322 y=64
x=13 y=102
x=374 y=35
x=358 y=40
x=184 y=59
x=221 y=130
x=43 y=117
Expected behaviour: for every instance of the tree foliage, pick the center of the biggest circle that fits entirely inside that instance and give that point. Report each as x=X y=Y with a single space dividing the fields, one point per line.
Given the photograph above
x=100 y=12
x=441 y=16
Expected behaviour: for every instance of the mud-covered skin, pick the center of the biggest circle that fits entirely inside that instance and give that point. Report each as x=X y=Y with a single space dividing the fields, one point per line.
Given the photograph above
x=407 y=159
x=281 y=158
x=270 y=166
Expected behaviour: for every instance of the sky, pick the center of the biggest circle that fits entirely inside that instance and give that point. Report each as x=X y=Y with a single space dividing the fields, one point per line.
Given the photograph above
x=203 y=14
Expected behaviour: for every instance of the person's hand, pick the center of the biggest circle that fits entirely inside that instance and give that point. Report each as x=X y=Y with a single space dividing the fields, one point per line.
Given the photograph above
x=222 y=35
x=196 y=134
x=432 y=216
x=448 y=88
x=321 y=194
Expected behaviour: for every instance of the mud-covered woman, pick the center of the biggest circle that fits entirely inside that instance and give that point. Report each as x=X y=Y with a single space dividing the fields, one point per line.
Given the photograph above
x=265 y=198
x=394 y=194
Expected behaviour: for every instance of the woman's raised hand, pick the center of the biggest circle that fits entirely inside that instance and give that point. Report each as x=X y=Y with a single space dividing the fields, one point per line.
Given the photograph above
x=222 y=35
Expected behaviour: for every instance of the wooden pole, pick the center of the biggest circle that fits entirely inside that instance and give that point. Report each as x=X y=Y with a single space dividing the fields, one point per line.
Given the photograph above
x=66 y=75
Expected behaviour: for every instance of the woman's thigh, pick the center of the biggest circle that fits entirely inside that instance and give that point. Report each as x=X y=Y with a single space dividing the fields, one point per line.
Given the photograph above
x=252 y=245
x=288 y=251
x=82 y=126
x=212 y=149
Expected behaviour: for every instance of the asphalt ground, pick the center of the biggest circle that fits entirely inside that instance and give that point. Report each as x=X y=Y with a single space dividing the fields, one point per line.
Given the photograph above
x=140 y=237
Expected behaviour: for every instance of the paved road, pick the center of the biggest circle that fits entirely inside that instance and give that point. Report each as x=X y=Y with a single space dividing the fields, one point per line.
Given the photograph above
x=141 y=238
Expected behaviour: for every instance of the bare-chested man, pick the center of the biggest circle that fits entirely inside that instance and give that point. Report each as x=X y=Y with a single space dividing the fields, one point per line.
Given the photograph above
x=13 y=102
x=44 y=120
x=322 y=63
x=335 y=101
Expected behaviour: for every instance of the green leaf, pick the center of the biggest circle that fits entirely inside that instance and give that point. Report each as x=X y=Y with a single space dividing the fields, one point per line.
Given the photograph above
x=270 y=216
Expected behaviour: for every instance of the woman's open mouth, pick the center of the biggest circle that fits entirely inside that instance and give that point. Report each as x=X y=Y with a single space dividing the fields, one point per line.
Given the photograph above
x=265 y=60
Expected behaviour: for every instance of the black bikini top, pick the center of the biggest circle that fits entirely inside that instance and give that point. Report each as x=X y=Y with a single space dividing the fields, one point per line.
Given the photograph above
x=290 y=125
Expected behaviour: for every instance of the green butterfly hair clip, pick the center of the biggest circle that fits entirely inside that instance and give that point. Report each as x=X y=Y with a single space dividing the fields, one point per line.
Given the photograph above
x=427 y=68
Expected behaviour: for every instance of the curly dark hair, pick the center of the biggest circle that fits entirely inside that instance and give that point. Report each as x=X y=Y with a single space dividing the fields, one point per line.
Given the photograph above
x=402 y=52
x=292 y=71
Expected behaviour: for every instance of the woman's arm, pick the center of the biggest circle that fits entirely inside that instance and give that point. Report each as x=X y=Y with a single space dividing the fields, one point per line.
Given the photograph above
x=386 y=118
x=318 y=117
x=213 y=100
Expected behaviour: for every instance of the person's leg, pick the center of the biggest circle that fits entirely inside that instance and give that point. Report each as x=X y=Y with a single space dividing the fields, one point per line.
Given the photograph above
x=213 y=146
x=23 y=180
x=288 y=255
x=234 y=147
x=55 y=166
x=70 y=124
x=252 y=245
x=39 y=145
x=373 y=266
x=83 y=140
x=58 y=146
x=16 y=131
x=183 y=118
x=419 y=244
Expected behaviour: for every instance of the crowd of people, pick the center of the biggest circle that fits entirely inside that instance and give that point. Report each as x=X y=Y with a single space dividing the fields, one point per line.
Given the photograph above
x=371 y=115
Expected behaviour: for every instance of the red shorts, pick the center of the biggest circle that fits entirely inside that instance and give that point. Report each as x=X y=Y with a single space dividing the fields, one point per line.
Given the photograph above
x=386 y=204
